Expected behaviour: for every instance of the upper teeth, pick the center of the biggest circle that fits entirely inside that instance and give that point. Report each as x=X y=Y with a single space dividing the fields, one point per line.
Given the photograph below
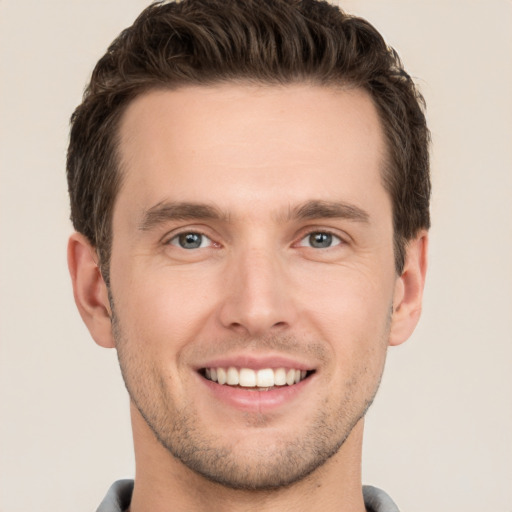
x=249 y=378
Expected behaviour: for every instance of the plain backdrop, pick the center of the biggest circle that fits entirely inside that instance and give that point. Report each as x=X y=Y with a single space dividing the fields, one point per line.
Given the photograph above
x=439 y=436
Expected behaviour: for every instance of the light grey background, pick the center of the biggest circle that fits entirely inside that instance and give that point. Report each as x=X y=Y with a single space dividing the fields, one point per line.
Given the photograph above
x=439 y=436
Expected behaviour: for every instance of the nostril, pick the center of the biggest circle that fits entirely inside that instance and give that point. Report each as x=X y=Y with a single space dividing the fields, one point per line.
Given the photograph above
x=237 y=327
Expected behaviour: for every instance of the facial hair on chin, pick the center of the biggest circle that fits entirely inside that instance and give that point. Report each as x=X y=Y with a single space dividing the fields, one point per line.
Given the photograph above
x=282 y=463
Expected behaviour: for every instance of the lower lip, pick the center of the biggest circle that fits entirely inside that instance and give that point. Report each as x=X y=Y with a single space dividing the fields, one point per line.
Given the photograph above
x=253 y=400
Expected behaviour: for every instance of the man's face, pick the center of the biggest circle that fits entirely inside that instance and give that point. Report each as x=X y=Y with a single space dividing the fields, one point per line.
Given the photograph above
x=252 y=240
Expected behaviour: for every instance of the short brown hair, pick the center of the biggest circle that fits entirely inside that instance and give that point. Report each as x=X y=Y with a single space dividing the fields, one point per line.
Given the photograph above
x=206 y=42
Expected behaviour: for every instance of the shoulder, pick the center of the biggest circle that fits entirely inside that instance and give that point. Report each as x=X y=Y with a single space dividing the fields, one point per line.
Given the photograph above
x=118 y=497
x=376 y=500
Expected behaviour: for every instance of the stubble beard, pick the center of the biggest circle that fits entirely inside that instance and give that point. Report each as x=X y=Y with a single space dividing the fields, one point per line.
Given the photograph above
x=281 y=464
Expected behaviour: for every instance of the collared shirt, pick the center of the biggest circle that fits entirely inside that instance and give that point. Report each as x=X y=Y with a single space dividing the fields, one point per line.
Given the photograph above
x=120 y=494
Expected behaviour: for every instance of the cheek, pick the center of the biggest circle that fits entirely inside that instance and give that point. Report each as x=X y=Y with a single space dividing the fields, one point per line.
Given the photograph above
x=346 y=300
x=162 y=310
x=351 y=312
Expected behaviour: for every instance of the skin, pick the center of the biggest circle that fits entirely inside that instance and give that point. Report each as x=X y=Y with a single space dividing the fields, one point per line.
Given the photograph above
x=275 y=164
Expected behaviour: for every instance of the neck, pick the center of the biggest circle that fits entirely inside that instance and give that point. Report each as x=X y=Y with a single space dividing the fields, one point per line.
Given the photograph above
x=163 y=482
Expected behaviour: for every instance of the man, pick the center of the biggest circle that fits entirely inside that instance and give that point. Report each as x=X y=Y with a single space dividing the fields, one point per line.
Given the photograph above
x=250 y=188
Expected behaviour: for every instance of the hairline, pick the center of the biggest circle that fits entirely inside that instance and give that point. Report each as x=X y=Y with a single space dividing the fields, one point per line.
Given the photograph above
x=335 y=84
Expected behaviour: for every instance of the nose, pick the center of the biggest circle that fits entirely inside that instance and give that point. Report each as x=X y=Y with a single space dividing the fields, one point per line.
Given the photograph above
x=258 y=298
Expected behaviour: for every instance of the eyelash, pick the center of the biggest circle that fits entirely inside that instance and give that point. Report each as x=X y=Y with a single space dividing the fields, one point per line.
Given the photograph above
x=176 y=238
x=320 y=232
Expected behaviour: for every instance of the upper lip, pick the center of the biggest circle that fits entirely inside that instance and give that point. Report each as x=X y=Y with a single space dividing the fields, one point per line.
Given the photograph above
x=256 y=362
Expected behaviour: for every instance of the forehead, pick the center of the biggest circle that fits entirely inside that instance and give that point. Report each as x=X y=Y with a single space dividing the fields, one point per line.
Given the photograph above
x=245 y=142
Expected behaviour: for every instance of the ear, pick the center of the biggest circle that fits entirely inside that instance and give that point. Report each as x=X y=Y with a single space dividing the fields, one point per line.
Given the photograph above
x=90 y=290
x=408 y=294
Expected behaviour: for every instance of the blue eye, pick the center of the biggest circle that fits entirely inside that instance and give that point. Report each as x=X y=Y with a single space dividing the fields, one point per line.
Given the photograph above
x=320 y=240
x=190 y=240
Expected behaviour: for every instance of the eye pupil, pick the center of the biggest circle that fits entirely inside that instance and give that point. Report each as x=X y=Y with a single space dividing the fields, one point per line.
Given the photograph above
x=320 y=240
x=190 y=240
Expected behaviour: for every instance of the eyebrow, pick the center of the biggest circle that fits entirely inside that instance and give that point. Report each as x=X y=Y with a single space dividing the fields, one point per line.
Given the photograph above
x=315 y=209
x=169 y=211
x=328 y=210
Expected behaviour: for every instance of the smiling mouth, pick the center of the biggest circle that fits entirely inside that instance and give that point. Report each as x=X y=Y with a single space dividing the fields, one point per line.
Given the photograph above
x=257 y=380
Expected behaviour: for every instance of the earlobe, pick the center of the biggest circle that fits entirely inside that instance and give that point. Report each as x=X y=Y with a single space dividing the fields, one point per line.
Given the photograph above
x=408 y=294
x=90 y=290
